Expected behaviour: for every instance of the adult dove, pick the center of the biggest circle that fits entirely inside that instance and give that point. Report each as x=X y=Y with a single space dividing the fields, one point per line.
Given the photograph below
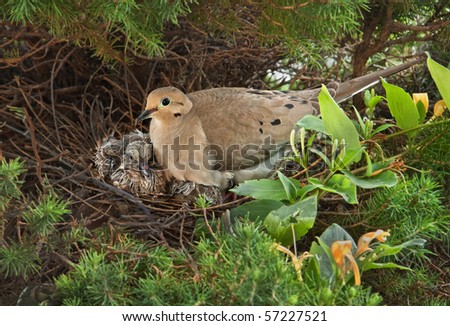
x=221 y=136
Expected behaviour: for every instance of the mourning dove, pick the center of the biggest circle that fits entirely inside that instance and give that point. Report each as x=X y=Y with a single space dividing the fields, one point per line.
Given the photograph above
x=222 y=135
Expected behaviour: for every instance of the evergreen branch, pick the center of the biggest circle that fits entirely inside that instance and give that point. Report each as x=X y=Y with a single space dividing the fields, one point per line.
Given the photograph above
x=397 y=26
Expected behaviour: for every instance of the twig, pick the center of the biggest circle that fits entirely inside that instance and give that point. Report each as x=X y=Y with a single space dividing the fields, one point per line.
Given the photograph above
x=31 y=129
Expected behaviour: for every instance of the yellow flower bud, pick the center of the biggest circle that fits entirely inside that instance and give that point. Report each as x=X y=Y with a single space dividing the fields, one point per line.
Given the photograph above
x=423 y=97
x=439 y=108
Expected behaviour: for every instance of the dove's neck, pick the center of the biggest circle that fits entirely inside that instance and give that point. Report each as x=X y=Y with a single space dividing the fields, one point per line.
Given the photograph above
x=178 y=143
x=177 y=125
x=167 y=137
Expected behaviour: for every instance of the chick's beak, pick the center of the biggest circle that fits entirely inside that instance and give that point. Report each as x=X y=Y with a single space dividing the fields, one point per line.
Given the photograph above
x=146 y=114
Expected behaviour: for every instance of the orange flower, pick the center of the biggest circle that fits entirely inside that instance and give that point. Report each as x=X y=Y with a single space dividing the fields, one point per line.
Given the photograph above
x=422 y=97
x=342 y=250
x=365 y=240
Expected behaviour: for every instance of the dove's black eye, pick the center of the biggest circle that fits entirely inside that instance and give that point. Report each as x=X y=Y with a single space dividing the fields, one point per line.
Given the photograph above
x=165 y=101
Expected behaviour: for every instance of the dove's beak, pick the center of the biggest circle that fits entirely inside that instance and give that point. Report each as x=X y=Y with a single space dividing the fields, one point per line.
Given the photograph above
x=146 y=114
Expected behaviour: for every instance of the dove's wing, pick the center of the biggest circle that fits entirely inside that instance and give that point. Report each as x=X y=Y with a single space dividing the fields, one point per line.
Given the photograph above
x=245 y=126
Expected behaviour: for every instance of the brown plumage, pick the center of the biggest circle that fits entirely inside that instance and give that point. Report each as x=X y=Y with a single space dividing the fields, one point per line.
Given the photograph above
x=128 y=162
x=224 y=135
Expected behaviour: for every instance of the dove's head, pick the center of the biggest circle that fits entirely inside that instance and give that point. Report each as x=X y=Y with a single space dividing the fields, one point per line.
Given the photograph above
x=166 y=103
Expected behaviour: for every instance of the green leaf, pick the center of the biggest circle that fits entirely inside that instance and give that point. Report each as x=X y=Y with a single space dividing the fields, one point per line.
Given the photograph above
x=323 y=265
x=348 y=156
x=321 y=155
x=374 y=101
x=335 y=232
x=256 y=210
x=382 y=127
x=382 y=165
x=306 y=189
x=441 y=77
x=297 y=218
x=422 y=111
x=312 y=122
x=360 y=120
x=402 y=107
x=384 y=179
x=383 y=250
x=373 y=265
x=262 y=189
x=311 y=140
x=343 y=186
x=370 y=99
x=329 y=270
x=316 y=264
x=291 y=186
x=337 y=124
x=338 y=184
x=369 y=167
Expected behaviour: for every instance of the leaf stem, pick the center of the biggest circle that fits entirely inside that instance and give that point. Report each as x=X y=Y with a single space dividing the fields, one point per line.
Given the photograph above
x=421 y=126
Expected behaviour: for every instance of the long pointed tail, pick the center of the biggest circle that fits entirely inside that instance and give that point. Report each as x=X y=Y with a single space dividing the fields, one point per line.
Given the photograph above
x=359 y=84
